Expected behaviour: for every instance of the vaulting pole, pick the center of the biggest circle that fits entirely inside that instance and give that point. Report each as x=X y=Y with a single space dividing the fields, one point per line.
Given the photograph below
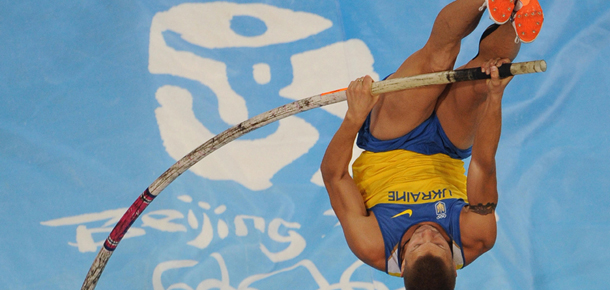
x=271 y=116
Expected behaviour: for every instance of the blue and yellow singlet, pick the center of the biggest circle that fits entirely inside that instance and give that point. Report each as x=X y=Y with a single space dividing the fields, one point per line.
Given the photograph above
x=418 y=177
x=404 y=188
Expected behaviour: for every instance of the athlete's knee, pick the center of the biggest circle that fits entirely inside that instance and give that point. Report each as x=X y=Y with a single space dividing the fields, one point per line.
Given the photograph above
x=498 y=41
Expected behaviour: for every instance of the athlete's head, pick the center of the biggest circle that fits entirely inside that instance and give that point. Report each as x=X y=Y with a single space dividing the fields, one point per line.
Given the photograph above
x=430 y=273
x=428 y=261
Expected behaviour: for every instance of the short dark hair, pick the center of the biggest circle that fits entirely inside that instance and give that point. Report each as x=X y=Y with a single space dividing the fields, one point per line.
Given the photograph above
x=429 y=273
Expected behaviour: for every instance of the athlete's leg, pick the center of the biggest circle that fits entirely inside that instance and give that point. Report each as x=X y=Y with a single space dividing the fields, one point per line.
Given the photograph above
x=460 y=106
x=398 y=113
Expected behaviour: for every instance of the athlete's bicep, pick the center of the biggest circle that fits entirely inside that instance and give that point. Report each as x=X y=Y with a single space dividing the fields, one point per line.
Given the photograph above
x=478 y=231
x=477 y=221
x=361 y=230
x=364 y=238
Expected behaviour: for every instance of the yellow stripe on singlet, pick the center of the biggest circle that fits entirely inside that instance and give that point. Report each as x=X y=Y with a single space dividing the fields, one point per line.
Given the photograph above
x=406 y=177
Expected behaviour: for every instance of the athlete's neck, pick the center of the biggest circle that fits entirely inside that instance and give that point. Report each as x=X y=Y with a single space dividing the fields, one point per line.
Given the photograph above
x=409 y=233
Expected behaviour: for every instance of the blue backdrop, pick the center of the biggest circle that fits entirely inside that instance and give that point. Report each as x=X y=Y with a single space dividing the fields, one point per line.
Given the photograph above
x=98 y=98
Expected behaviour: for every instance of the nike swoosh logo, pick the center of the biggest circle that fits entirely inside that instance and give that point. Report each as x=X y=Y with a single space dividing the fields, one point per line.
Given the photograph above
x=409 y=212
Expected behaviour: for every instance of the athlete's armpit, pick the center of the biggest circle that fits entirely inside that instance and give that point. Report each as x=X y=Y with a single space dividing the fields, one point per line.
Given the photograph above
x=483 y=209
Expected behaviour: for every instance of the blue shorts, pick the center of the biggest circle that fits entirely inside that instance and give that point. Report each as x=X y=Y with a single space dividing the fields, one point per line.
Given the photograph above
x=428 y=138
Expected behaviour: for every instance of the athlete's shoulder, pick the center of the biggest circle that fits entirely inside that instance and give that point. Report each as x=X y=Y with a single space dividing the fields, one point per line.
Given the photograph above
x=478 y=233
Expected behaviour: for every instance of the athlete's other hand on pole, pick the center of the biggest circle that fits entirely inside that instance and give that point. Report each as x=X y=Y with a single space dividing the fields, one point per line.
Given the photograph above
x=495 y=85
x=360 y=101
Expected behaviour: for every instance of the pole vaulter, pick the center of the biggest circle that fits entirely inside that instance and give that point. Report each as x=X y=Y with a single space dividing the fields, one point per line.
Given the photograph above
x=134 y=211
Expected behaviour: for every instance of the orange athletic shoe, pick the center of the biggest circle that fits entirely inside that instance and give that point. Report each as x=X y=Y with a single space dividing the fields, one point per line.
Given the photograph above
x=500 y=10
x=528 y=20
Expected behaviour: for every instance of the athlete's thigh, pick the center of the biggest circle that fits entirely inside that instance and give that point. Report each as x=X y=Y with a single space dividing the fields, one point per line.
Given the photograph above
x=459 y=111
x=398 y=113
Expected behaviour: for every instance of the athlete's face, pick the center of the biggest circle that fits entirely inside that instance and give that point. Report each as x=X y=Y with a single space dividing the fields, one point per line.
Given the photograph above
x=426 y=240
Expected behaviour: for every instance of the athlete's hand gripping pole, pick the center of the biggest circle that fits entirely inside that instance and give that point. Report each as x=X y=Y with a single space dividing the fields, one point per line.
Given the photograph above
x=263 y=119
x=453 y=76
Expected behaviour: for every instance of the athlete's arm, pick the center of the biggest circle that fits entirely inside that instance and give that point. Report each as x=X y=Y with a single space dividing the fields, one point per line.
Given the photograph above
x=361 y=231
x=478 y=223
